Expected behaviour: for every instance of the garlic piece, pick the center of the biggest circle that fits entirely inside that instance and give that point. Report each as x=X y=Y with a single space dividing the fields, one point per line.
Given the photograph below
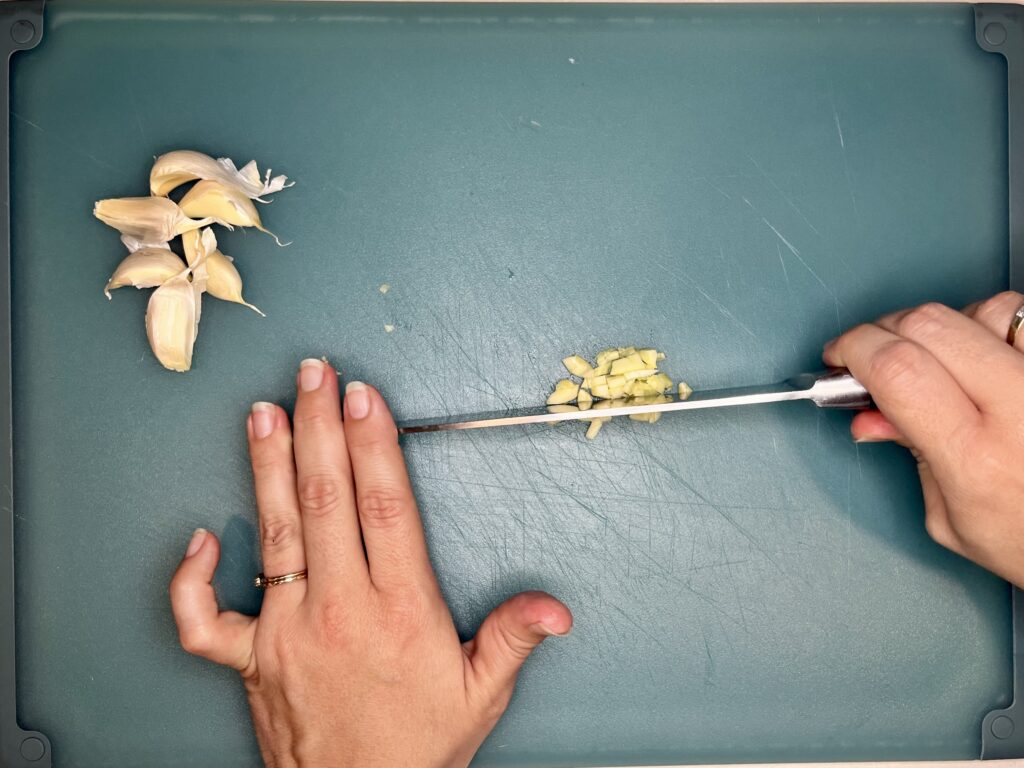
x=224 y=282
x=215 y=272
x=198 y=245
x=172 y=322
x=225 y=204
x=147 y=220
x=577 y=366
x=584 y=399
x=182 y=166
x=191 y=244
x=565 y=392
x=145 y=268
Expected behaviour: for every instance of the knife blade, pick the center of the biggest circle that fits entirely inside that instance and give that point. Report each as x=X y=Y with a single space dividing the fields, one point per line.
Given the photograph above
x=831 y=389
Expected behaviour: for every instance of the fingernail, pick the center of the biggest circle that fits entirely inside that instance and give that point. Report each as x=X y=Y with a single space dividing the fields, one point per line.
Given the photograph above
x=546 y=630
x=196 y=542
x=262 y=419
x=311 y=374
x=829 y=344
x=870 y=439
x=357 y=400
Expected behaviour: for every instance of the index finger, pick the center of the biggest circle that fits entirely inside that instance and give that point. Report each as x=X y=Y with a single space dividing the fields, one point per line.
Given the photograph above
x=910 y=387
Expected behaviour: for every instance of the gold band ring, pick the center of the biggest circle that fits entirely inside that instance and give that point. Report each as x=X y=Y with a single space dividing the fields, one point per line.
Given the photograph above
x=263 y=582
x=1015 y=324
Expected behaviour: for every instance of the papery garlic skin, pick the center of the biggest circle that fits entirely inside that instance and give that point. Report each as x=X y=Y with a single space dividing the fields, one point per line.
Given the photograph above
x=148 y=220
x=145 y=268
x=173 y=169
x=221 y=278
x=225 y=204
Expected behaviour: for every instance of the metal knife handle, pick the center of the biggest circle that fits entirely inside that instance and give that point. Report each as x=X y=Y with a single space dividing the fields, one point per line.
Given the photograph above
x=834 y=389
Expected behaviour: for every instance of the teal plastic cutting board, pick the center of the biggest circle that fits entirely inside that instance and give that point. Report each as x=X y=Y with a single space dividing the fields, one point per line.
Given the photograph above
x=733 y=185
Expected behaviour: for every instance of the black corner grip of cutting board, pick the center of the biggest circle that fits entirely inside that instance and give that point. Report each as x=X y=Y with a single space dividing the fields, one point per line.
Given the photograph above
x=999 y=28
x=21 y=28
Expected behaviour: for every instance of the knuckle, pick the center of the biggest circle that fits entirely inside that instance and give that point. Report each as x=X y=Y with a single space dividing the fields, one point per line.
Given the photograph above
x=333 y=619
x=279 y=533
x=378 y=443
x=898 y=363
x=923 y=321
x=319 y=493
x=996 y=311
x=194 y=640
x=403 y=613
x=852 y=339
x=266 y=460
x=987 y=466
x=382 y=507
x=311 y=420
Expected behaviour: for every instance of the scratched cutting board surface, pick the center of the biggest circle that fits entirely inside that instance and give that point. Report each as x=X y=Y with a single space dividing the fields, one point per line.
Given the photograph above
x=733 y=185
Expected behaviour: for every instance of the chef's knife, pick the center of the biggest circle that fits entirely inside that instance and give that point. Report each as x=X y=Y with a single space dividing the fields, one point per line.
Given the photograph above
x=832 y=389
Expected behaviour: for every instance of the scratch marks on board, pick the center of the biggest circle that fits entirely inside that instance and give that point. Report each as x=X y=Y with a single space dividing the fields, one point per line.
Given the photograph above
x=783 y=195
x=842 y=150
x=722 y=309
x=792 y=248
x=64 y=143
x=839 y=127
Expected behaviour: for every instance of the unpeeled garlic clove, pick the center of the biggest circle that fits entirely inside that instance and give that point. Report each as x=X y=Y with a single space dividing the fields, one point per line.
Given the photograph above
x=172 y=322
x=224 y=282
x=215 y=272
x=173 y=169
x=225 y=204
x=145 y=268
x=147 y=220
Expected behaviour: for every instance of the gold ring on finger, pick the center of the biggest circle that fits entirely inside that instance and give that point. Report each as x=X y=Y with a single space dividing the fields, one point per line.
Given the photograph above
x=1015 y=324
x=264 y=582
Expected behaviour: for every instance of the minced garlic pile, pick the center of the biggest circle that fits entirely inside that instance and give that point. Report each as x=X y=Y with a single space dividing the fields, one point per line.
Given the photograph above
x=619 y=376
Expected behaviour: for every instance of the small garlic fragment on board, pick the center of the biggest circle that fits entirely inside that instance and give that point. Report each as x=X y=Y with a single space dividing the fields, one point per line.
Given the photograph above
x=172 y=322
x=388 y=328
x=173 y=169
x=384 y=288
x=146 y=219
x=565 y=392
x=224 y=204
x=145 y=268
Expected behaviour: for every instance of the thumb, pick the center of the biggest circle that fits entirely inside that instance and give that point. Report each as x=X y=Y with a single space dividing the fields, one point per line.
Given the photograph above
x=508 y=636
x=225 y=637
